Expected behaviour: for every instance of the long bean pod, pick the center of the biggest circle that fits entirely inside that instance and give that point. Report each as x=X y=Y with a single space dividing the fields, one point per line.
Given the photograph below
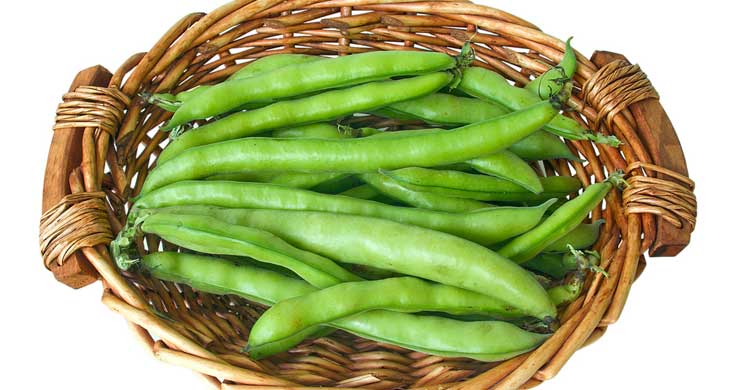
x=308 y=77
x=318 y=108
x=209 y=235
x=265 y=64
x=481 y=340
x=563 y=220
x=492 y=86
x=484 y=226
x=546 y=83
x=425 y=200
x=397 y=247
x=508 y=166
x=503 y=164
x=583 y=236
x=481 y=187
x=357 y=155
x=444 y=109
x=404 y=294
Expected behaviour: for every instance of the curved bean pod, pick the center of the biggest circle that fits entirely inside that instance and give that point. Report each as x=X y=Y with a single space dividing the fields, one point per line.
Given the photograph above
x=486 y=226
x=481 y=187
x=444 y=109
x=401 y=248
x=554 y=264
x=491 y=86
x=568 y=291
x=357 y=155
x=403 y=294
x=425 y=200
x=566 y=218
x=220 y=276
x=539 y=145
x=482 y=340
x=542 y=145
x=363 y=191
x=508 y=166
x=503 y=164
x=265 y=64
x=309 y=77
x=318 y=108
x=316 y=130
x=546 y=83
x=583 y=236
x=208 y=235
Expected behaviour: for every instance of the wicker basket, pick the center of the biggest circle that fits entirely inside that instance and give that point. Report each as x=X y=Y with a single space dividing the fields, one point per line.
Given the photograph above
x=106 y=134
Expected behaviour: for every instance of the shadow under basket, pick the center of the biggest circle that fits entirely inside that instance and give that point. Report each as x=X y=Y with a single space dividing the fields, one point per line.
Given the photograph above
x=106 y=136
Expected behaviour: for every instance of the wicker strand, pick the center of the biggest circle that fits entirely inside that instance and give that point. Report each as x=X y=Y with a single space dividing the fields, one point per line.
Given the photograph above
x=78 y=221
x=673 y=201
x=615 y=87
x=90 y=106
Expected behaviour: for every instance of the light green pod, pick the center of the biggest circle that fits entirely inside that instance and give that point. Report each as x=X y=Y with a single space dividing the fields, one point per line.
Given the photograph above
x=208 y=235
x=322 y=107
x=309 y=77
x=562 y=221
x=403 y=294
x=486 y=226
x=425 y=200
x=481 y=340
x=481 y=187
x=397 y=247
x=508 y=166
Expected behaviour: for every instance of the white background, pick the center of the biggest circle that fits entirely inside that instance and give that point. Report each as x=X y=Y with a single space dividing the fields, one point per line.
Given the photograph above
x=673 y=334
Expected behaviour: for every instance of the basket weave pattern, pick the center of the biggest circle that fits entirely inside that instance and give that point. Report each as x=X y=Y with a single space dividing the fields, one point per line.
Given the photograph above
x=206 y=332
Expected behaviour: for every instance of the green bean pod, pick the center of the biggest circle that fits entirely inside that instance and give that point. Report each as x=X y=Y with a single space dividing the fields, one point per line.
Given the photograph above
x=444 y=109
x=503 y=164
x=491 y=86
x=341 y=182
x=171 y=102
x=220 y=276
x=554 y=264
x=318 y=108
x=364 y=191
x=486 y=226
x=309 y=77
x=539 y=145
x=357 y=155
x=563 y=220
x=403 y=294
x=315 y=130
x=487 y=340
x=542 y=145
x=583 y=236
x=425 y=200
x=508 y=166
x=208 y=235
x=293 y=179
x=481 y=187
x=568 y=291
x=397 y=247
x=550 y=81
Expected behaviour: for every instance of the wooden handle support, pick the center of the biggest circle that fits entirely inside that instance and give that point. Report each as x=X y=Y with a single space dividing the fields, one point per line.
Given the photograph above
x=658 y=135
x=63 y=156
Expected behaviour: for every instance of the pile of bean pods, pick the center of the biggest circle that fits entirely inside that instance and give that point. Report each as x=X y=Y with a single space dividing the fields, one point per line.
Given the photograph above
x=393 y=195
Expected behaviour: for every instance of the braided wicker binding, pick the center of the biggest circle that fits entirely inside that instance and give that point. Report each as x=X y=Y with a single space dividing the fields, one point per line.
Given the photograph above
x=206 y=332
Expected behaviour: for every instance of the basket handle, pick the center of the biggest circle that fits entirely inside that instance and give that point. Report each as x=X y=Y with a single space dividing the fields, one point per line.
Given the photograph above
x=64 y=155
x=659 y=137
